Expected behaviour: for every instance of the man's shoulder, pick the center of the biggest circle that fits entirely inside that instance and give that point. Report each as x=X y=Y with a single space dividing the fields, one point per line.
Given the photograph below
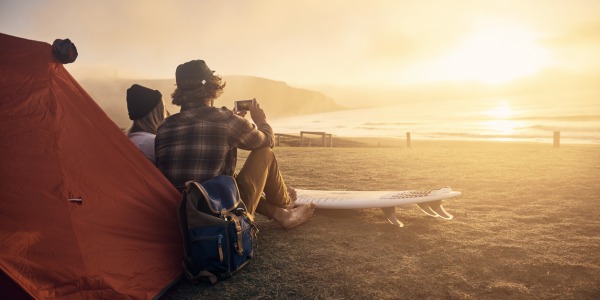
x=221 y=114
x=214 y=114
x=223 y=111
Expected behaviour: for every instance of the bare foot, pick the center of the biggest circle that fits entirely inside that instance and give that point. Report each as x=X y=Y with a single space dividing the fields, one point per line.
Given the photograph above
x=293 y=196
x=294 y=217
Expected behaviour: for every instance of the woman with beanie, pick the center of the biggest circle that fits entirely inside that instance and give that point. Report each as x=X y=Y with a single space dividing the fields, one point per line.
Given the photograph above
x=147 y=110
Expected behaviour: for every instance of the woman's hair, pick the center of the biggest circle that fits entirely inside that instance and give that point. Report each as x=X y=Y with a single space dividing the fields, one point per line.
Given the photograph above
x=198 y=91
x=150 y=122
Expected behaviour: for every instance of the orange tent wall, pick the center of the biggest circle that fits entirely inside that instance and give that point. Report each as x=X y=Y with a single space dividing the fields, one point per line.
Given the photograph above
x=122 y=239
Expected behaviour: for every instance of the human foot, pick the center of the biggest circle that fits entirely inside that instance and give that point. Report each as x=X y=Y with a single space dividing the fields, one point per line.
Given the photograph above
x=297 y=216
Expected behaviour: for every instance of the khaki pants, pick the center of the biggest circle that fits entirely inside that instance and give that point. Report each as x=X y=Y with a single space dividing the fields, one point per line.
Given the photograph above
x=259 y=174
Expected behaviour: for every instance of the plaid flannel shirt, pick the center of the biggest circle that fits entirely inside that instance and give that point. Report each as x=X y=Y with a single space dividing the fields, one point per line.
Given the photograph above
x=201 y=142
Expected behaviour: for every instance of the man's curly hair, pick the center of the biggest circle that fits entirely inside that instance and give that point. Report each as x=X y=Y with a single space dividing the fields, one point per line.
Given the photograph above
x=198 y=90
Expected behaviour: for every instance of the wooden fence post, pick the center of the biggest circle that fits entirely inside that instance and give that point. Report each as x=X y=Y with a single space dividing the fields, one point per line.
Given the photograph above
x=556 y=139
x=408 y=139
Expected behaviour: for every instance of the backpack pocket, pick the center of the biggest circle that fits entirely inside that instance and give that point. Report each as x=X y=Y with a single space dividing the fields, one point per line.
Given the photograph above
x=209 y=249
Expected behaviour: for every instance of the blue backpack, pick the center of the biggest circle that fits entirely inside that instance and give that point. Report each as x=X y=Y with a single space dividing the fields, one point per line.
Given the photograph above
x=217 y=233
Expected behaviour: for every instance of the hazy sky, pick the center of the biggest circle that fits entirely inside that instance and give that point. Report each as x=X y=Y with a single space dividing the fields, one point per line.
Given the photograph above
x=397 y=42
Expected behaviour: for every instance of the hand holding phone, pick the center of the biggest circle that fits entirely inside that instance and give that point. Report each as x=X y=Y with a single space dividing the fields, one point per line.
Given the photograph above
x=258 y=114
x=241 y=107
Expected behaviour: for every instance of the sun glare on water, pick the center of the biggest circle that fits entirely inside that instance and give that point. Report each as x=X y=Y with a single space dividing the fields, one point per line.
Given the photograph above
x=499 y=119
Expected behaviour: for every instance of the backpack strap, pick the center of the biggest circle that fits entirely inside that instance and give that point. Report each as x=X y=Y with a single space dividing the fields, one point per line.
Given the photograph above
x=203 y=273
x=239 y=247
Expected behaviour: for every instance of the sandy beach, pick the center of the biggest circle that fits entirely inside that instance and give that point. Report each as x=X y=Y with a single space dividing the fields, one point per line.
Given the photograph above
x=525 y=227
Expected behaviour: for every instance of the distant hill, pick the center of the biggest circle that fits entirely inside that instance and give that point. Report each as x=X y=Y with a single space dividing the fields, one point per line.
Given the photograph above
x=277 y=98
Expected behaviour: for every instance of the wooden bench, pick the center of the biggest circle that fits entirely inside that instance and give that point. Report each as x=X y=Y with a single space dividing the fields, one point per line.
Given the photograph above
x=323 y=135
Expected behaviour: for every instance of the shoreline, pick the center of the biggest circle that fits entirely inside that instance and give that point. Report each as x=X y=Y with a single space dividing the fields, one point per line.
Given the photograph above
x=293 y=140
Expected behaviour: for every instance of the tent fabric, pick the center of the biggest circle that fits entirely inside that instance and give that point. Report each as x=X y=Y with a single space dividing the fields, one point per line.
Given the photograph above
x=83 y=213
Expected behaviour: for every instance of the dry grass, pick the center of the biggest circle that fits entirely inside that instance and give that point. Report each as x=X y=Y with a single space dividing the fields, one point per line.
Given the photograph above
x=526 y=227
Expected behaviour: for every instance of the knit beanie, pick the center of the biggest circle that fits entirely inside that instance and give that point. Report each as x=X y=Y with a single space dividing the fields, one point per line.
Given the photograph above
x=141 y=100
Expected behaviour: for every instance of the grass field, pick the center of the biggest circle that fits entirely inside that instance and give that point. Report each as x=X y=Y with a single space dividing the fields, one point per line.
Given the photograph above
x=525 y=227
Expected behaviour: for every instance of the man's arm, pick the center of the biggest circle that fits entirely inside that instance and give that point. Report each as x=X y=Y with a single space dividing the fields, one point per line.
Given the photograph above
x=248 y=136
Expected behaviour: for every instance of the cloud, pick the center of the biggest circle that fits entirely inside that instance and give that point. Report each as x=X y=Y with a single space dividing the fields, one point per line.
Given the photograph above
x=580 y=35
x=576 y=47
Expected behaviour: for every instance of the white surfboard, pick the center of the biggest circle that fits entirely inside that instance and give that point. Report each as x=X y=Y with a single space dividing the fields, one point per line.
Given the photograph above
x=430 y=201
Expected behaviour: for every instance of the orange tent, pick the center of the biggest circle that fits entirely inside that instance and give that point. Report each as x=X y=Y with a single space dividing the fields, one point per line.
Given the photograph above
x=83 y=213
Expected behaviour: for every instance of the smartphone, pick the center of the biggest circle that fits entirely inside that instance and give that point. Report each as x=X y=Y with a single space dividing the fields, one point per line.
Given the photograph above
x=243 y=105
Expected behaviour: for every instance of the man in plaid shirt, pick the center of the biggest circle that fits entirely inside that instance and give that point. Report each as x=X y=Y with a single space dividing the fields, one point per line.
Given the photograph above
x=201 y=142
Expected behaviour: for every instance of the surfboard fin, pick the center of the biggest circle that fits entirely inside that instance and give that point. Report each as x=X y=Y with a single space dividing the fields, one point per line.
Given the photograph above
x=426 y=209
x=438 y=209
x=390 y=215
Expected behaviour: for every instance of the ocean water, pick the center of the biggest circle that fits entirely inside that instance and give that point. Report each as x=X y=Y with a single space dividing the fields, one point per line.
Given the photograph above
x=528 y=119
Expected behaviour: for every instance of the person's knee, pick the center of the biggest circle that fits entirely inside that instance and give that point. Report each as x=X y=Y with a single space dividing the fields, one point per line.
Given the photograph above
x=264 y=152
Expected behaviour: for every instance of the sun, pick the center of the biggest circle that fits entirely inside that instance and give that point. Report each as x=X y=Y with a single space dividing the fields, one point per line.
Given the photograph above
x=501 y=111
x=494 y=53
x=499 y=119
